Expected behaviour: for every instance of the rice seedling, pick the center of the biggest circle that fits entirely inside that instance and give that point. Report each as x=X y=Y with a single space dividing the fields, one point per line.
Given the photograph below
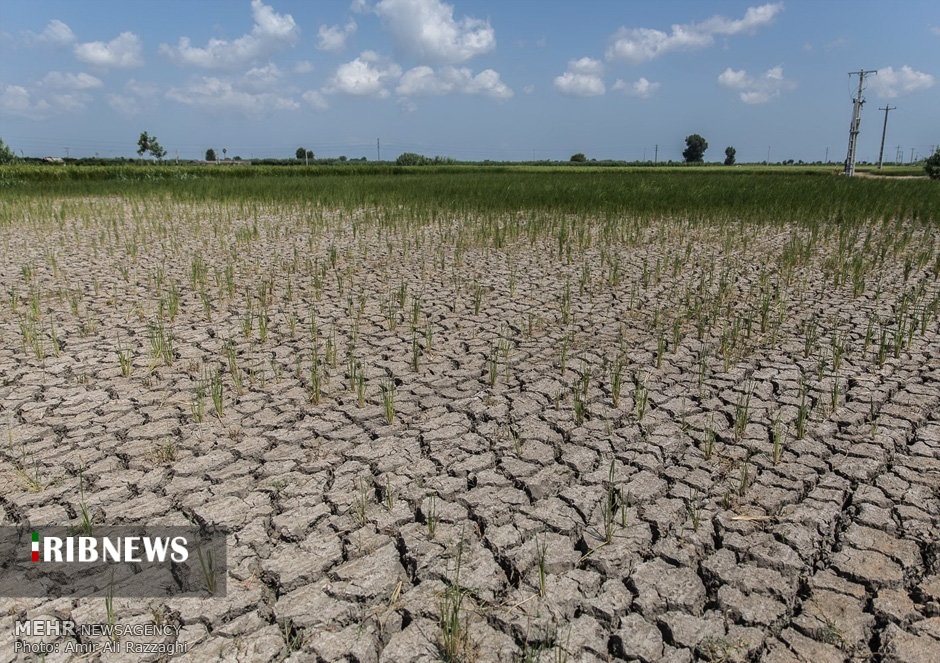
x=210 y=573
x=640 y=397
x=541 y=548
x=708 y=442
x=216 y=391
x=388 y=399
x=125 y=360
x=616 y=381
x=360 y=508
x=742 y=412
x=431 y=516
x=776 y=435
x=454 y=637
x=315 y=387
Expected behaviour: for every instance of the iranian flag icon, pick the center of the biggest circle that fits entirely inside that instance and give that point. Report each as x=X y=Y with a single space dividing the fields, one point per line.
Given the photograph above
x=35 y=546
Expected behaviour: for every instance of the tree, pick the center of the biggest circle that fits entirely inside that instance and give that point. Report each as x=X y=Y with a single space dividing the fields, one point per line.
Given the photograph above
x=310 y=154
x=210 y=154
x=156 y=150
x=411 y=159
x=148 y=144
x=143 y=144
x=932 y=165
x=729 y=155
x=578 y=158
x=695 y=147
x=6 y=154
x=301 y=153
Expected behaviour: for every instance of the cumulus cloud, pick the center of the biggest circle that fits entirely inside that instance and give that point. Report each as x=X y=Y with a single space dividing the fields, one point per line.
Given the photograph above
x=891 y=83
x=57 y=33
x=271 y=31
x=366 y=76
x=642 y=88
x=315 y=100
x=303 y=67
x=756 y=89
x=223 y=94
x=332 y=38
x=55 y=94
x=426 y=81
x=18 y=101
x=122 y=52
x=428 y=30
x=582 y=79
x=636 y=45
x=80 y=81
x=134 y=98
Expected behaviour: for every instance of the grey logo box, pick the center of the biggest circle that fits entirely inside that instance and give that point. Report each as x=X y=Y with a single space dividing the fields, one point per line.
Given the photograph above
x=203 y=573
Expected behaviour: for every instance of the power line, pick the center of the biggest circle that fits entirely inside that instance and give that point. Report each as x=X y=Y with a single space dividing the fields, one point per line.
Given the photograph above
x=884 y=130
x=856 y=119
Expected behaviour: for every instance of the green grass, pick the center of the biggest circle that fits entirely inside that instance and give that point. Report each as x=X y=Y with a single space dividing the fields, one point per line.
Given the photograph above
x=776 y=194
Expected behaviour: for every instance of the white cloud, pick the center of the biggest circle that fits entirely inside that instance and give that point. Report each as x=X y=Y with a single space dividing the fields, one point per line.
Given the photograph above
x=45 y=100
x=223 y=94
x=332 y=38
x=636 y=45
x=756 y=89
x=134 y=98
x=935 y=29
x=303 y=67
x=425 y=81
x=123 y=51
x=315 y=100
x=366 y=76
x=17 y=100
x=80 y=81
x=488 y=83
x=890 y=83
x=271 y=31
x=259 y=79
x=642 y=88
x=582 y=79
x=57 y=33
x=428 y=30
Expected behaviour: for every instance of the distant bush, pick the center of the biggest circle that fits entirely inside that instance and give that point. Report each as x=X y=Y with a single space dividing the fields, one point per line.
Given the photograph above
x=932 y=165
x=412 y=159
x=6 y=154
x=578 y=158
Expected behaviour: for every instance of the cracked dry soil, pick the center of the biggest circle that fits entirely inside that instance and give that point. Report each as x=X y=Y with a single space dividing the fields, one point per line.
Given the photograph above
x=763 y=487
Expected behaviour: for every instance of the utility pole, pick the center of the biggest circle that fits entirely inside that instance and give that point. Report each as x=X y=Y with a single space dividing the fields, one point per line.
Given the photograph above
x=767 y=163
x=378 y=150
x=884 y=130
x=856 y=120
x=66 y=153
x=898 y=156
x=827 y=154
x=912 y=155
x=656 y=155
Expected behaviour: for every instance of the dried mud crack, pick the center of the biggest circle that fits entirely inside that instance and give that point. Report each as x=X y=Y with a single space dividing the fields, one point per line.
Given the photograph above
x=664 y=442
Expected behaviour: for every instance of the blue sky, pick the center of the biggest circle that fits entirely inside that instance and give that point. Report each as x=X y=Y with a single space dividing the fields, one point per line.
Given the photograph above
x=467 y=79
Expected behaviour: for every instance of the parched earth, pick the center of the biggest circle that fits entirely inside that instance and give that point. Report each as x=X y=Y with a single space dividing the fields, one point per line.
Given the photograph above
x=763 y=487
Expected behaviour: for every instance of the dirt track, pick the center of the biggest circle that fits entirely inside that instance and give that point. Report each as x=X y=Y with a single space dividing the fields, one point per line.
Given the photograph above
x=582 y=528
